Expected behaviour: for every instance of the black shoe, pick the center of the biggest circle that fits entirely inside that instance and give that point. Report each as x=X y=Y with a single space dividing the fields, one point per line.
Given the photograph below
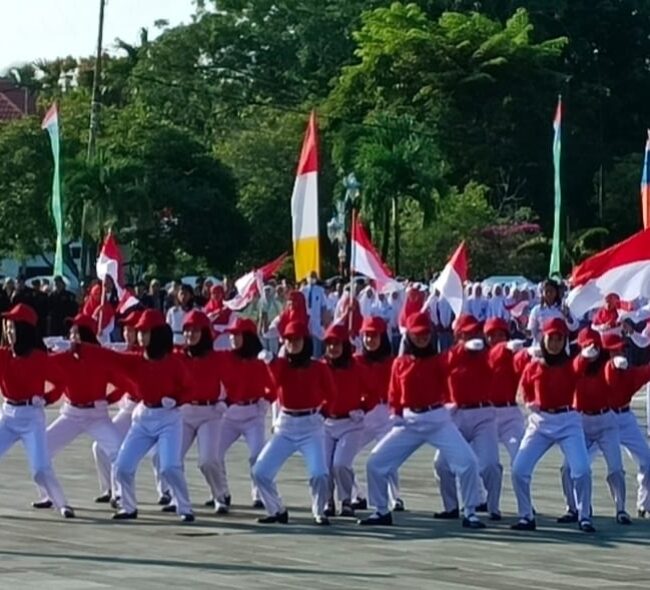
x=495 y=516
x=347 y=511
x=322 y=521
x=123 y=515
x=227 y=500
x=473 y=522
x=42 y=504
x=187 y=517
x=115 y=502
x=258 y=504
x=103 y=499
x=623 y=518
x=377 y=519
x=586 y=527
x=330 y=510
x=447 y=514
x=482 y=507
x=568 y=518
x=165 y=499
x=524 y=525
x=168 y=508
x=222 y=509
x=398 y=505
x=209 y=503
x=279 y=518
x=360 y=504
x=67 y=512
x=642 y=513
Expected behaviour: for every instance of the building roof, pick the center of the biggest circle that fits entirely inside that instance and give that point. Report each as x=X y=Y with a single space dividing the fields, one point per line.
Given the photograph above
x=15 y=102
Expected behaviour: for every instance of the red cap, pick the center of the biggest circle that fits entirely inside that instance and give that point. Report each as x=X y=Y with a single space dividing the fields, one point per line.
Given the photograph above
x=613 y=341
x=337 y=332
x=84 y=321
x=244 y=326
x=150 y=319
x=196 y=319
x=295 y=329
x=496 y=324
x=419 y=323
x=556 y=326
x=132 y=319
x=467 y=324
x=22 y=313
x=588 y=337
x=373 y=325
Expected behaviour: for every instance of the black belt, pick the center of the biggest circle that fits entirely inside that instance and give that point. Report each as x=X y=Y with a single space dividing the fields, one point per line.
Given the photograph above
x=300 y=413
x=337 y=416
x=474 y=406
x=560 y=410
x=424 y=409
x=83 y=406
x=211 y=402
x=621 y=410
x=506 y=405
x=250 y=402
x=153 y=406
x=17 y=403
x=595 y=412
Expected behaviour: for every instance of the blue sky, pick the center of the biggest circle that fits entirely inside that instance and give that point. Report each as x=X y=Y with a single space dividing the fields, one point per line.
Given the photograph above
x=45 y=29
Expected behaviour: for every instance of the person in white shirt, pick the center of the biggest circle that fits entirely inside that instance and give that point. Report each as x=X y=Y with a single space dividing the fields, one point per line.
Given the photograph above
x=316 y=309
x=176 y=314
x=550 y=307
x=477 y=305
x=497 y=306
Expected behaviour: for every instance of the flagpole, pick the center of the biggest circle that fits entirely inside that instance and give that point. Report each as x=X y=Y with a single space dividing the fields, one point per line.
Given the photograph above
x=353 y=247
x=555 y=263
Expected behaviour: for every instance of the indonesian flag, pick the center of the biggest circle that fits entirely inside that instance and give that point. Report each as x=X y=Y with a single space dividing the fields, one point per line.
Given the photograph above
x=622 y=269
x=366 y=260
x=451 y=279
x=252 y=283
x=109 y=263
x=304 y=206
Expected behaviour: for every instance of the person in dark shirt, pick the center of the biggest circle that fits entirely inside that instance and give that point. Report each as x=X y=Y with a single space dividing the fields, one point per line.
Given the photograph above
x=62 y=304
x=40 y=306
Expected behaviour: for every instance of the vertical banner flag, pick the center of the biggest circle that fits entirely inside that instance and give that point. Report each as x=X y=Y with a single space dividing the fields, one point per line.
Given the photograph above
x=304 y=206
x=557 y=152
x=451 y=280
x=51 y=125
x=365 y=258
x=645 y=187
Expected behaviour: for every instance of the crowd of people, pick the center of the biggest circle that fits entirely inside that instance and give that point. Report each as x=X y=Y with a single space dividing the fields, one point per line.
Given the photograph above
x=338 y=367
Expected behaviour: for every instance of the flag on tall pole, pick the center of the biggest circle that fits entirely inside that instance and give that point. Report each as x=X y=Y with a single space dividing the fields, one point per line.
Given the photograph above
x=450 y=282
x=304 y=206
x=557 y=152
x=51 y=125
x=365 y=259
x=645 y=187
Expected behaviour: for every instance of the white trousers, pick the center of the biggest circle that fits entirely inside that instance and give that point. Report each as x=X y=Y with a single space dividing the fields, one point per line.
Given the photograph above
x=601 y=432
x=27 y=424
x=511 y=426
x=73 y=422
x=342 y=444
x=435 y=428
x=293 y=434
x=479 y=428
x=239 y=421
x=543 y=431
x=122 y=422
x=637 y=448
x=152 y=426
x=376 y=425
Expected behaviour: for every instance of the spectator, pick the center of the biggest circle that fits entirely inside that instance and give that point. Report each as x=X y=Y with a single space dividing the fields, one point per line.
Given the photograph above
x=176 y=314
x=61 y=305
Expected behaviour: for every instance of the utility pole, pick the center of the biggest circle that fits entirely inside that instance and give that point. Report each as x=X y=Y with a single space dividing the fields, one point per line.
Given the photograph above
x=92 y=134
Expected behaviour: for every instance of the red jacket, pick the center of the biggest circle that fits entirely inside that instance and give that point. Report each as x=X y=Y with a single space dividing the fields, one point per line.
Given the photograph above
x=504 y=380
x=246 y=379
x=468 y=375
x=21 y=378
x=549 y=387
x=416 y=383
x=301 y=388
x=592 y=392
x=350 y=389
x=206 y=373
x=624 y=384
x=377 y=377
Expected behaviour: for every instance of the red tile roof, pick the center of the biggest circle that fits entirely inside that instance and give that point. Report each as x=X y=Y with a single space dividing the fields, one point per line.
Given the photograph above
x=15 y=102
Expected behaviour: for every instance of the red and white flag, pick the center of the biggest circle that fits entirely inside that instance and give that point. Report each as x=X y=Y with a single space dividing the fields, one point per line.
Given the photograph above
x=252 y=283
x=109 y=263
x=366 y=260
x=623 y=269
x=451 y=279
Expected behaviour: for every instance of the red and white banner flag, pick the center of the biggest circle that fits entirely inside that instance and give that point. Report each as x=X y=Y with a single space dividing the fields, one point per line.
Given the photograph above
x=623 y=269
x=451 y=280
x=109 y=263
x=252 y=283
x=366 y=260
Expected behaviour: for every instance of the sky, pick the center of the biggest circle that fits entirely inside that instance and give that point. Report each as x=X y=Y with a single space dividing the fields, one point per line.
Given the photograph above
x=46 y=29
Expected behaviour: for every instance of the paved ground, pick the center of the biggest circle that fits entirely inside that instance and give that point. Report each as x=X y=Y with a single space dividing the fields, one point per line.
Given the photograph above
x=40 y=550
